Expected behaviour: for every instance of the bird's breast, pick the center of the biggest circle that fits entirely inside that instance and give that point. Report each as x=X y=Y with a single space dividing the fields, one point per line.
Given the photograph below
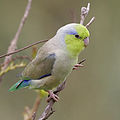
x=63 y=65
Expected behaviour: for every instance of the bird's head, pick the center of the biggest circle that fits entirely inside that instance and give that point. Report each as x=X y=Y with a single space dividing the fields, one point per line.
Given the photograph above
x=75 y=36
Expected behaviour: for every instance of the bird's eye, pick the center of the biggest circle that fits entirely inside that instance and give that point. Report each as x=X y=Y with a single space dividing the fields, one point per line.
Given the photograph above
x=77 y=36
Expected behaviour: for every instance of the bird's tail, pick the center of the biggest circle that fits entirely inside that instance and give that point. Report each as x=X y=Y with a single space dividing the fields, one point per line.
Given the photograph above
x=20 y=84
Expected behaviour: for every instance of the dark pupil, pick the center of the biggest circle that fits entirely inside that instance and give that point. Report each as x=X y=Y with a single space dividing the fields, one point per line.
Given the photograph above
x=77 y=36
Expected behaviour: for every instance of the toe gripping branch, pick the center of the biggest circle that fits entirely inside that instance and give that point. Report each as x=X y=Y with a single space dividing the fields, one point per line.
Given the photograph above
x=76 y=66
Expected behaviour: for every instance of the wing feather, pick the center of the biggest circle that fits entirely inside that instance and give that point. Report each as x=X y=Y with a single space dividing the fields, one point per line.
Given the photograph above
x=39 y=67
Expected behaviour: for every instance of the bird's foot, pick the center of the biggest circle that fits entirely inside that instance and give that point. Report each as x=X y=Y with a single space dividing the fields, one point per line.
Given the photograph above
x=52 y=96
x=76 y=66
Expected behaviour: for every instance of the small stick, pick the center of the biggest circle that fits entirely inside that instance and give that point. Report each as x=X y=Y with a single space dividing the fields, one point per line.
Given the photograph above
x=82 y=61
x=21 y=49
x=34 y=116
x=91 y=21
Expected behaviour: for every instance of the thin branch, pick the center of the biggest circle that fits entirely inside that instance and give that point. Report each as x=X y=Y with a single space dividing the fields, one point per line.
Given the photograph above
x=51 y=112
x=90 y=22
x=82 y=61
x=21 y=49
x=34 y=116
x=13 y=44
x=48 y=110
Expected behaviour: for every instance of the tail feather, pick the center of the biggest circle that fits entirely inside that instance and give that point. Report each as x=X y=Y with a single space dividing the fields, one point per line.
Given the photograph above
x=20 y=84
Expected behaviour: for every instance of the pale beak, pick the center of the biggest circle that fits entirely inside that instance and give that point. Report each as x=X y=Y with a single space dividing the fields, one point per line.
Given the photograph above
x=86 y=41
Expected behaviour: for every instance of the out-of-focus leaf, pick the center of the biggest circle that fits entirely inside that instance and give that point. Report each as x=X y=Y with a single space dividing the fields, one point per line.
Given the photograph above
x=34 y=51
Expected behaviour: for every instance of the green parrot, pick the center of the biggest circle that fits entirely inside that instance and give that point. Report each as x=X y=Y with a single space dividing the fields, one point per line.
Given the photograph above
x=55 y=60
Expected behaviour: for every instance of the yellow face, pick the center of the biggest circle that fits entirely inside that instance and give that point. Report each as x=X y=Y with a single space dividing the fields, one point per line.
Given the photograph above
x=78 y=41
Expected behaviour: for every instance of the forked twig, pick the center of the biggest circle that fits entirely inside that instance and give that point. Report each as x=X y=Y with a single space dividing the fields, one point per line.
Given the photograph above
x=84 y=13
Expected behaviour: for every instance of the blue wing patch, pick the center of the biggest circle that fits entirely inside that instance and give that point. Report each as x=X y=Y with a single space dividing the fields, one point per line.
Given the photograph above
x=50 y=60
x=44 y=76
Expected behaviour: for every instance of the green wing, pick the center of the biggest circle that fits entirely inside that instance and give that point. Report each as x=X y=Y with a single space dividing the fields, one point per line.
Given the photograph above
x=40 y=66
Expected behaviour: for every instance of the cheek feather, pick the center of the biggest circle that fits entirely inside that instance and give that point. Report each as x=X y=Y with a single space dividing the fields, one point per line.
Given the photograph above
x=74 y=45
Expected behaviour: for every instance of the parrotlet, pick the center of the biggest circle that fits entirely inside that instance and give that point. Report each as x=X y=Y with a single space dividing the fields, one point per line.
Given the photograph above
x=55 y=59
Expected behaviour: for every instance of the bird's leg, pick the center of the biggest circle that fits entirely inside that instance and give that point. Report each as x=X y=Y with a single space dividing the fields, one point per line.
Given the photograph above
x=52 y=96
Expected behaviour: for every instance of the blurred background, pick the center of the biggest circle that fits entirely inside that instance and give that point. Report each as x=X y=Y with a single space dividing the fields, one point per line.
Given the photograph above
x=92 y=92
